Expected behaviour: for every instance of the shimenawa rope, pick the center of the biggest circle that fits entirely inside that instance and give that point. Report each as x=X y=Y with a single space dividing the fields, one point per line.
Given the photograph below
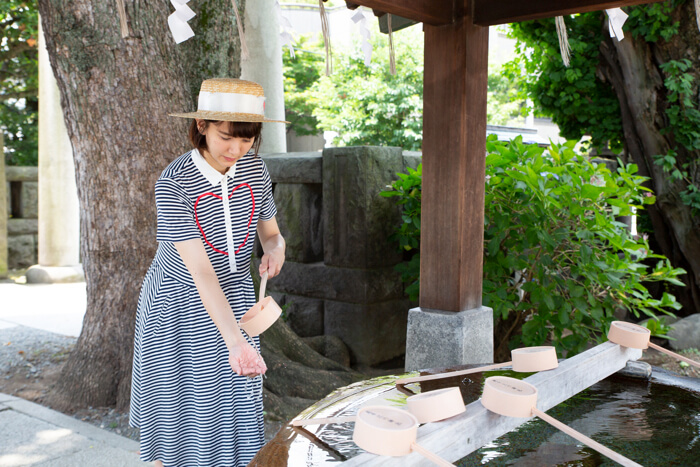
x=326 y=38
x=122 y=18
x=239 y=23
x=392 y=58
x=564 y=46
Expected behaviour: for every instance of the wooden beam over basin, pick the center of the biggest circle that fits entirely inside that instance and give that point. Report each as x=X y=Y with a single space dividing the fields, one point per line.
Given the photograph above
x=454 y=438
x=435 y=12
x=490 y=12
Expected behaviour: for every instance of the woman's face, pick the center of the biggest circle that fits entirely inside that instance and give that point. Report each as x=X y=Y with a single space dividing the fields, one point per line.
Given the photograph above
x=224 y=150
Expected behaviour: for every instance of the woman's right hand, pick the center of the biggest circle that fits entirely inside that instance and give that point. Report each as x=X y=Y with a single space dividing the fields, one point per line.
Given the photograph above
x=246 y=361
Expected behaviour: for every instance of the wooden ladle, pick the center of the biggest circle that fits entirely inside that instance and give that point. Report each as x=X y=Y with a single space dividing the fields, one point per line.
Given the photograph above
x=524 y=360
x=262 y=315
x=389 y=431
x=514 y=398
x=637 y=337
x=386 y=431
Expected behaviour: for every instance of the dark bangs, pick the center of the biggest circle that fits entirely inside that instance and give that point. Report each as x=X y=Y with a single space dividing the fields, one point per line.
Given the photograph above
x=240 y=129
x=233 y=129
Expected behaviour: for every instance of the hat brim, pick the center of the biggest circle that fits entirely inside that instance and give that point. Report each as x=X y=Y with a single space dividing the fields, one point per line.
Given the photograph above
x=226 y=116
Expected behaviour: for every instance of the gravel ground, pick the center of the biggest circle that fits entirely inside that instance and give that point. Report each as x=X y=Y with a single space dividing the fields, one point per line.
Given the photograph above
x=21 y=345
x=31 y=361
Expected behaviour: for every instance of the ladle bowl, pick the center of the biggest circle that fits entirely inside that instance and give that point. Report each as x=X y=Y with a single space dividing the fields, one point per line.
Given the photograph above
x=533 y=359
x=262 y=315
x=509 y=396
x=629 y=335
x=433 y=406
x=638 y=337
x=386 y=431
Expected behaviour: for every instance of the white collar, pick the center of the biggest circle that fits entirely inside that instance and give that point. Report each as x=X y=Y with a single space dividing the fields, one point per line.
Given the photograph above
x=210 y=173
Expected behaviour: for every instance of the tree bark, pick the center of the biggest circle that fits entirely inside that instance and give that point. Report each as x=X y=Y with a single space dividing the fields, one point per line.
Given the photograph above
x=631 y=66
x=116 y=95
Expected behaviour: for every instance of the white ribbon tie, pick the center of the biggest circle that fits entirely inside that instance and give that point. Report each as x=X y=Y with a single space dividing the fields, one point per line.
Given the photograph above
x=361 y=20
x=616 y=18
x=227 y=219
x=286 y=37
x=177 y=22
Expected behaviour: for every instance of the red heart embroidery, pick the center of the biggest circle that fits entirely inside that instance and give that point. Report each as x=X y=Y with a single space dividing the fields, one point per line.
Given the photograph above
x=252 y=211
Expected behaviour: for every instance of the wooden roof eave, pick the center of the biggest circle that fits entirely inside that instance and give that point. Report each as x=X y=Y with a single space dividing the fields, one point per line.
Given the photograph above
x=490 y=12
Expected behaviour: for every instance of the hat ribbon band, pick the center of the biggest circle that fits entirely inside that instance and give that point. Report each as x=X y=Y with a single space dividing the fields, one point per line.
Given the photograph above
x=231 y=102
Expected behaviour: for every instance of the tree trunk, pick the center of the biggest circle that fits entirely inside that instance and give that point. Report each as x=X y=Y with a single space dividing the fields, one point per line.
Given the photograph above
x=632 y=68
x=116 y=95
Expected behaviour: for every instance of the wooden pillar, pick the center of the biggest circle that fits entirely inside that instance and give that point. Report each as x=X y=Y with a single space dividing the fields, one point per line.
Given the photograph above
x=454 y=139
x=451 y=327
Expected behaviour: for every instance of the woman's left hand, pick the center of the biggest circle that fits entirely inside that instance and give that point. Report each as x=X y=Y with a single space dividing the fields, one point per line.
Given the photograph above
x=273 y=245
x=272 y=262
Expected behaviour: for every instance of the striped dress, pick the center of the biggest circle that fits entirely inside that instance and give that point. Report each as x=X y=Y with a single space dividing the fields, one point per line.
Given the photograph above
x=192 y=410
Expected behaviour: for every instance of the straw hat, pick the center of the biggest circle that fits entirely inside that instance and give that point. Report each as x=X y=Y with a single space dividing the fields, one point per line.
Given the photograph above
x=230 y=100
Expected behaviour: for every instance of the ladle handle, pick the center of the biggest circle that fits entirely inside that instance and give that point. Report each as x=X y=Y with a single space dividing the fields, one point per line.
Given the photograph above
x=452 y=373
x=263 y=285
x=620 y=459
x=430 y=455
x=673 y=354
x=322 y=421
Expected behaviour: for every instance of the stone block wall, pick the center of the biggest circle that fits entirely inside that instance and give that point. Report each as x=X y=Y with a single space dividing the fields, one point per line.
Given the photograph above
x=22 y=209
x=339 y=276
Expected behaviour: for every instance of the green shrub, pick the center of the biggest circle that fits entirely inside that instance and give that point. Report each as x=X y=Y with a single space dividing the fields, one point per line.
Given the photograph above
x=407 y=189
x=385 y=109
x=557 y=262
x=300 y=73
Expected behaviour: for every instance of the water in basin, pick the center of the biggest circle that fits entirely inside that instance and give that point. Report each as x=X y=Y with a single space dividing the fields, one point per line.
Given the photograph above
x=653 y=423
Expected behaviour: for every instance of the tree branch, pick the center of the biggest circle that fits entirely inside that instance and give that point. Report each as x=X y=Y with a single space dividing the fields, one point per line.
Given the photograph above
x=19 y=94
x=15 y=50
x=7 y=23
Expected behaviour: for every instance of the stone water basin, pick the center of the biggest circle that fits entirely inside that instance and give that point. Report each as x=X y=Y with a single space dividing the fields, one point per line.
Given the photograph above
x=653 y=422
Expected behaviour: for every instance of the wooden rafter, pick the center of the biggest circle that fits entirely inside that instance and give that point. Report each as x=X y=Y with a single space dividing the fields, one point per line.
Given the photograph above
x=435 y=12
x=490 y=12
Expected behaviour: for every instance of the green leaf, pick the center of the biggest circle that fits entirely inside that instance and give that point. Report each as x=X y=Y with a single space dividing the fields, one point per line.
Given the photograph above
x=563 y=316
x=591 y=192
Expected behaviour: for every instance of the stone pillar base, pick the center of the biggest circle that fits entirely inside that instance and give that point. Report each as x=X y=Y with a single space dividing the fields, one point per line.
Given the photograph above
x=440 y=339
x=55 y=274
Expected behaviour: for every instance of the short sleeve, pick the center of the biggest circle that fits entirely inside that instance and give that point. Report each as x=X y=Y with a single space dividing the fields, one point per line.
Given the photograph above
x=175 y=213
x=267 y=206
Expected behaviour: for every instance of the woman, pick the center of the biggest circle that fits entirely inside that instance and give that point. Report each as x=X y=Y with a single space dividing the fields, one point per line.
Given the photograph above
x=191 y=396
